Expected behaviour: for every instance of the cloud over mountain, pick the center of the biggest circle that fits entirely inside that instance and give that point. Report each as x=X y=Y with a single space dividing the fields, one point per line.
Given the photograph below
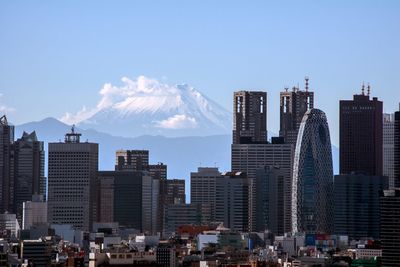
x=148 y=106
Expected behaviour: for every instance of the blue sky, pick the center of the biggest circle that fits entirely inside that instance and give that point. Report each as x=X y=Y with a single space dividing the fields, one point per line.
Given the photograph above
x=56 y=55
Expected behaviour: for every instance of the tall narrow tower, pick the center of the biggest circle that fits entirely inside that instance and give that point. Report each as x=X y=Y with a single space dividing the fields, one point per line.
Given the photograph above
x=313 y=176
x=293 y=105
x=73 y=168
x=250 y=117
x=6 y=165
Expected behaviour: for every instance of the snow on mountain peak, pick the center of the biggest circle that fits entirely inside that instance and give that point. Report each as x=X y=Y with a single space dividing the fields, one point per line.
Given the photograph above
x=152 y=107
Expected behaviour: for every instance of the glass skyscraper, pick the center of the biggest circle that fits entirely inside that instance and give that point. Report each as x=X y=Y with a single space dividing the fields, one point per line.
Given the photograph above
x=312 y=176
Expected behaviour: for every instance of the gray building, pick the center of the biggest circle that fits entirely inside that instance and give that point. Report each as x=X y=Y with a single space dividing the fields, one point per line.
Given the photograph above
x=356 y=205
x=203 y=187
x=388 y=147
x=251 y=157
x=73 y=168
x=29 y=170
x=293 y=105
x=390 y=227
x=232 y=201
x=270 y=194
x=249 y=117
x=313 y=176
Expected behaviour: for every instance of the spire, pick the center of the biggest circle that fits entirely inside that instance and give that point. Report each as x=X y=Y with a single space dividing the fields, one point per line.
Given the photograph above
x=306 y=78
x=363 y=89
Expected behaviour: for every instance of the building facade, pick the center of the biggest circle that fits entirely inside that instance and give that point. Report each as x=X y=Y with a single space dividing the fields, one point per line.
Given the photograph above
x=34 y=212
x=361 y=135
x=390 y=227
x=203 y=187
x=293 y=105
x=356 y=205
x=29 y=170
x=249 y=158
x=6 y=166
x=249 y=117
x=136 y=160
x=270 y=193
x=388 y=147
x=73 y=168
x=396 y=143
x=232 y=201
x=313 y=176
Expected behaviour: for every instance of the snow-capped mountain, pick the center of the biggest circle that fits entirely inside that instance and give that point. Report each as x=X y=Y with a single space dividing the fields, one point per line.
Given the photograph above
x=147 y=106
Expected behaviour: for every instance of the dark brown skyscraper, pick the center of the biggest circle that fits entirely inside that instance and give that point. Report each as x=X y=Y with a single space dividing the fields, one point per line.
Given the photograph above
x=6 y=165
x=361 y=135
x=249 y=117
x=293 y=106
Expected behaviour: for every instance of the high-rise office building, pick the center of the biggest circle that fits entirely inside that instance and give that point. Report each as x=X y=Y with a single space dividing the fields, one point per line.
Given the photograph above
x=293 y=105
x=270 y=193
x=129 y=198
x=203 y=187
x=105 y=196
x=249 y=158
x=231 y=205
x=6 y=166
x=73 y=168
x=356 y=205
x=388 y=147
x=361 y=135
x=390 y=227
x=28 y=170
x=34 y=212
x=249 y=117
x=136 y=160
x=313 y=176
x=396 y=143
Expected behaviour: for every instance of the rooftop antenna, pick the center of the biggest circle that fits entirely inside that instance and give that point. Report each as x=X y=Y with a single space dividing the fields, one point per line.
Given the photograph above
x=368 y=89
x=286 y=88
x=306 y=78
x=363 y=89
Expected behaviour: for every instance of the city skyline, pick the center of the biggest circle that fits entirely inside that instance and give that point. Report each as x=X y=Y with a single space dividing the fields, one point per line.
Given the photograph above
x=263 y=46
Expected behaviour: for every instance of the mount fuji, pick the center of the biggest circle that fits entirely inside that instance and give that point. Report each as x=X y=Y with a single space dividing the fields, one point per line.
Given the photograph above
x=145 y=106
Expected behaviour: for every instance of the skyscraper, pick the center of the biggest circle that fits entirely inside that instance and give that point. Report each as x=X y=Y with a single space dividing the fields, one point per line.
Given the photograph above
x=6 y=166
x=249 y=117
x=312 y=176
x=390 y=227
x=356 y=205
x=231 y=205
x=73 y=168
x=396 y=162
x=29 y=170
x=361 y=135
x=203 y=187
x=270 y=194
x=249 y=158
x=388 y=147
x=129 y=198
x=293 y=106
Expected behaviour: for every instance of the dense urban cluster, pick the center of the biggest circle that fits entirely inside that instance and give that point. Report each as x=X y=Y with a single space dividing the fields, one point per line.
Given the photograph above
x=280 y=205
